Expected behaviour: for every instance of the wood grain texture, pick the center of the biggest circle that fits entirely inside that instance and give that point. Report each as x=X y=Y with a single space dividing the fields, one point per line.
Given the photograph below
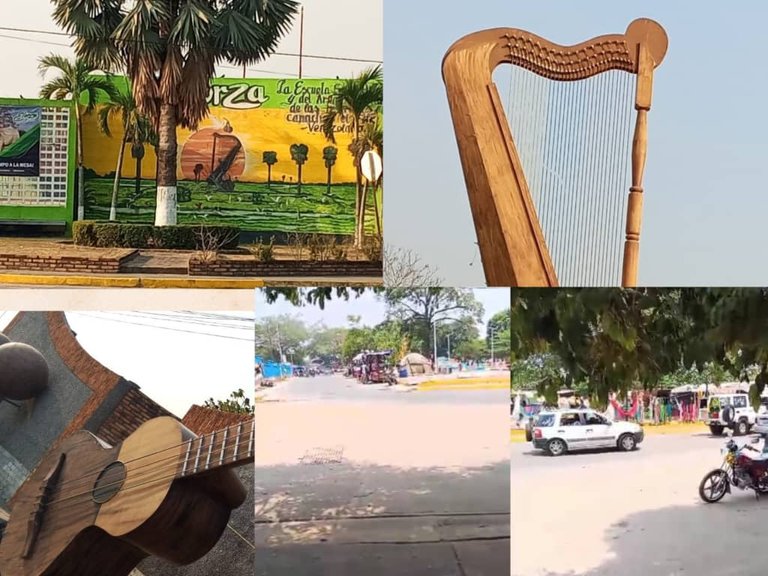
x=155 y=511
x=512 y=245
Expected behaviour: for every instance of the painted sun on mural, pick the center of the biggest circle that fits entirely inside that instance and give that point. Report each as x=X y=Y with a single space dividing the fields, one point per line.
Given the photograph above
x=265 y=159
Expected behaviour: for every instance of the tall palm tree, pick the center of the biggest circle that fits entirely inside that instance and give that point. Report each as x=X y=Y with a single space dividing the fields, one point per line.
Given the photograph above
x=269 y=158
x=299 y=154
x=169 y=50
x=372 y=138
x=75 y=81
x=137 y=130
x=358 y=98
x=330 y=153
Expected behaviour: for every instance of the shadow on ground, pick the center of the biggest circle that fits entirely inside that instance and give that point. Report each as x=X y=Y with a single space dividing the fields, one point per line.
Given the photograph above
x=348 y=519
x=724 y=539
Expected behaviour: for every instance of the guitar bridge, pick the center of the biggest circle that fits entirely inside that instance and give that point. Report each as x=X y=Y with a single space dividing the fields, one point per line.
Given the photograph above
x=36 y=518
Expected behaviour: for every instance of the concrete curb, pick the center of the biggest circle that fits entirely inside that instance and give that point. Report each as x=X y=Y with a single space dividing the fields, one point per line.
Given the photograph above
x=466 y=381
x=132 y=281
x=477 y=386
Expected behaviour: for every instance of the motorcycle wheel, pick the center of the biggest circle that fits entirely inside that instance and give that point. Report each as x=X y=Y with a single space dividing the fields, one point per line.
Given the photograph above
x=713 y=486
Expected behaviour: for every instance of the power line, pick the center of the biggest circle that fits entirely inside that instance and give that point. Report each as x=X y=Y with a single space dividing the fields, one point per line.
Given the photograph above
x=290 y=54
x=197 y=332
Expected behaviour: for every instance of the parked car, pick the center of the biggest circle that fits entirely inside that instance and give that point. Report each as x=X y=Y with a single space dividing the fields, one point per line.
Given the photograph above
x=741 y=417
x=558 y=432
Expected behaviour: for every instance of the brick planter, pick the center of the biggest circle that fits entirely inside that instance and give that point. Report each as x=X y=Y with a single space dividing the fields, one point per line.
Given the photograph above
x=233 y=266
x=83 y=264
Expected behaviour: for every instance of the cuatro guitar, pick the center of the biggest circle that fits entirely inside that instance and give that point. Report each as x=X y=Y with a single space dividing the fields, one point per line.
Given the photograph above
x=90 y=509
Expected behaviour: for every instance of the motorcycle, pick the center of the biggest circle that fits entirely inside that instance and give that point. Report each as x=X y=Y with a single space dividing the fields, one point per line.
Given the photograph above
x=744 y=467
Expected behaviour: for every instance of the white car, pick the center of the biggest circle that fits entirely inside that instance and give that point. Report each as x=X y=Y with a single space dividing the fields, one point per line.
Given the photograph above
x=743 y=417
x=583 y=429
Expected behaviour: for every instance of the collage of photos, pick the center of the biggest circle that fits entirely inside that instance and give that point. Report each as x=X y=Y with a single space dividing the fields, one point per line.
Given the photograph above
x=225 y=351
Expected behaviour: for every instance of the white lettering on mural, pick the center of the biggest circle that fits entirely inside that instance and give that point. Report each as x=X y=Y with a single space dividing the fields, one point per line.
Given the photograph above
x=237 y=96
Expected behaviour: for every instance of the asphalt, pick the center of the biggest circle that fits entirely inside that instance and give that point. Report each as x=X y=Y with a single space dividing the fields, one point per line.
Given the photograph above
x=609 y=513
x=350 y=481
x=339 y=389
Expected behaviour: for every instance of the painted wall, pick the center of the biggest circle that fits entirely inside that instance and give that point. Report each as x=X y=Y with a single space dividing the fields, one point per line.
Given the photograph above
x=13 y=209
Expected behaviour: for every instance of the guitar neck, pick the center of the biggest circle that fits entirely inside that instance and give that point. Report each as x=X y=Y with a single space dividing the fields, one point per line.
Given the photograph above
x=227 y=448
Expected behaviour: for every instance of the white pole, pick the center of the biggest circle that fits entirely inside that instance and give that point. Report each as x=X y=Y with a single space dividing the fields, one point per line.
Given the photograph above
x=434 y=343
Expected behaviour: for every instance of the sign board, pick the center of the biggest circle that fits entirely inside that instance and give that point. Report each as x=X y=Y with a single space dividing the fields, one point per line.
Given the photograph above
x=371 y=166
x=20 y=140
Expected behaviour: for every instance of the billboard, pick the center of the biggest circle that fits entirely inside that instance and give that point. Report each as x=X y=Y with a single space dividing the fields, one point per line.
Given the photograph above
x=20 y=140
x=260 y=160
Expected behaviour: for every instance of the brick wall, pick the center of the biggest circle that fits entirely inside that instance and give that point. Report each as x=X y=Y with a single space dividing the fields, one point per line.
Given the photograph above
x=248 y=267
x=206 y=420
x=73 y=264
x=133 y=410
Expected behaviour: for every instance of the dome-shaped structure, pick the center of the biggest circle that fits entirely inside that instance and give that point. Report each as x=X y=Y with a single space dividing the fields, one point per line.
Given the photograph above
x=4 y=339
x=23 y=371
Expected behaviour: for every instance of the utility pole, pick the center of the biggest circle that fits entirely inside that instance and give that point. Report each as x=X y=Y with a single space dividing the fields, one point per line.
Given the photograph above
x=493 y=337
x=434 y=343
x=301 y=40
x=279 y=349
x=449 y=346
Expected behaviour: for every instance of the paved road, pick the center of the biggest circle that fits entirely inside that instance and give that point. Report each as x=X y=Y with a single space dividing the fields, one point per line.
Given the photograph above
x=631 y=514
x=346 y=488
x=336 y=388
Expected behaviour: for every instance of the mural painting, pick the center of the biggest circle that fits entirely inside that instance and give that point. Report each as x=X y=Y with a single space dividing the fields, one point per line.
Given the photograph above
x=260 y=161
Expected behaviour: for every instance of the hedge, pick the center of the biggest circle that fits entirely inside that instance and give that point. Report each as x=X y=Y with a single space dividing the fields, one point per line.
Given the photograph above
x=125 y=235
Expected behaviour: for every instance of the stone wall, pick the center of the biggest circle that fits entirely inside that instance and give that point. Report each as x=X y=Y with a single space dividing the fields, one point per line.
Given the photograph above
x=69 y=264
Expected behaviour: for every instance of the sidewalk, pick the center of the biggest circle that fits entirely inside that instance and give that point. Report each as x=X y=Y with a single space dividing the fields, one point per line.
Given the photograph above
x=490 y=380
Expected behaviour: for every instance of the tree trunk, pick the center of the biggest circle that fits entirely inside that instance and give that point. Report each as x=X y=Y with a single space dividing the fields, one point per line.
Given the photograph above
x=165 y=214
x=80 y=170
x=376 y=210
x=358 y=183
x=360 y=233
x=116 y=185
x=137 y=190
x=300 y=178
x=329 y=180
x=269 y=176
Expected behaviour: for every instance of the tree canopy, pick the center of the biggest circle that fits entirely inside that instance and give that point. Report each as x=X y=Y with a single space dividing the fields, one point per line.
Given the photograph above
x=613 y=340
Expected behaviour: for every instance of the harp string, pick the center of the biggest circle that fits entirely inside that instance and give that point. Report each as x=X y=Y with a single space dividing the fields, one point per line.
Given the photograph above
x=574 y=141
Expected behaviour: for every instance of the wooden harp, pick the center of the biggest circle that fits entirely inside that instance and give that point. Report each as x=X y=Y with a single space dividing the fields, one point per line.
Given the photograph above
x=549 y=205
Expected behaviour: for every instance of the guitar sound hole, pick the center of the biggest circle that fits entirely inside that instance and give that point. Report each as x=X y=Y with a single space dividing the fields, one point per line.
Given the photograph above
x=109 y=482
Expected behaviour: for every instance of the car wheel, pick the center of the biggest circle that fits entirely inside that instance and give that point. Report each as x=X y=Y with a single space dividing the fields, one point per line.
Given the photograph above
x=556 y=447
x=627 y=442
x=716 y=430
x=742 y=427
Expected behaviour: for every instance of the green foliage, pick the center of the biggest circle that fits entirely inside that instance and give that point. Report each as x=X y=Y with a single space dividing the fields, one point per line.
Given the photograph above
x=372 y=248
x=264 y=251
x=618 y=339
x=121 y=235
x=237 y=403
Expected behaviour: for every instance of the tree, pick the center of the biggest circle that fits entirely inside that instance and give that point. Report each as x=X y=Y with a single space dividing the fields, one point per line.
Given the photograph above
x=420 y=308
x=498 y=333
x=315 y=296
x=277 y=335
x=237 y=403
x=329 y=155
x=299 y=154
x=403 y=268
x=360 y=98
x=270 y=159
x=75 y=82
x=169 y=50
x=137 y=131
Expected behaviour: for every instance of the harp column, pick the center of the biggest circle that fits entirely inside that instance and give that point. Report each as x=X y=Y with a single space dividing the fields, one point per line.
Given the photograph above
x=645 y=66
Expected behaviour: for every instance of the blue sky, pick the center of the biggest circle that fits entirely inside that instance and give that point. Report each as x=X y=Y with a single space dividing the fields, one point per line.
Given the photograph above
x=706 y=170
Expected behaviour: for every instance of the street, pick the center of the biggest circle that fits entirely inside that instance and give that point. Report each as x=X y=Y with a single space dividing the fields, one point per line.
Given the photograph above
x=354 y=479
x=337 y=388
x=638 y=513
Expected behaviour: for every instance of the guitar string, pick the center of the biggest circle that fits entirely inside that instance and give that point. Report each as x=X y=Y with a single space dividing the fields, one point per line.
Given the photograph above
x=84 y=480
x=68 y=501
x=100 y=468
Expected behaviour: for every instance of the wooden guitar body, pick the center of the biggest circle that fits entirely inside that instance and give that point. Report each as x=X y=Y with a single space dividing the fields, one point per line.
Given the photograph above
x=109 y=507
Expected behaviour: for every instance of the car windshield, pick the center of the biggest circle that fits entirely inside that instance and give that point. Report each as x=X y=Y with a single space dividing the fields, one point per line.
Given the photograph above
x=544 y=420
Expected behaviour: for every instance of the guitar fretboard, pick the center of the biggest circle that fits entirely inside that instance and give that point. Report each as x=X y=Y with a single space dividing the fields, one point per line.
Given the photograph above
x=229 y=447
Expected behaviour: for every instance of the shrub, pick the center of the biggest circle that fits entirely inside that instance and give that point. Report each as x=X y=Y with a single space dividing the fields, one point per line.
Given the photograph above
x=82 y=233
x=372 y=248
x=135 y=235
x=264 y=252
x=321 y=247
x=107 y=235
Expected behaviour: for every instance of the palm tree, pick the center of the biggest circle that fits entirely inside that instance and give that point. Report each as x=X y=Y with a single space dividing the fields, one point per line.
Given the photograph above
x=358 y=97
x=269 y=158
x=169 y=50
x=299 y=154
x=74 y=81
x=136 y=129
x=329 y=155
x=372 y=138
